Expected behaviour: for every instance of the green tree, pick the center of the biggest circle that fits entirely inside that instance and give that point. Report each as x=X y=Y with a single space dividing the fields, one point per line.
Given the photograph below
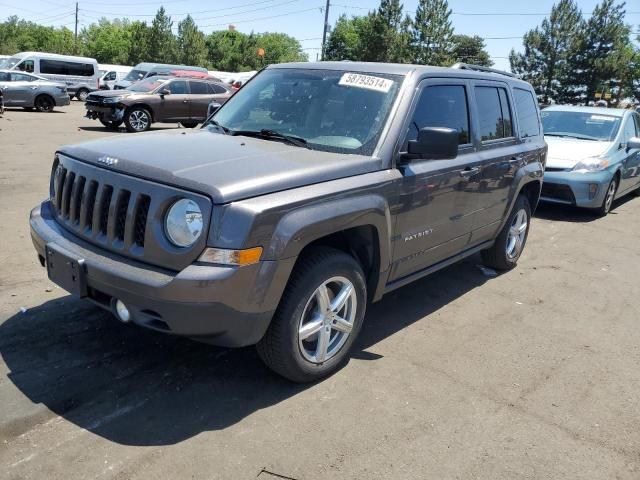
x=603 y=53
x=382 y=32
x=347 y=39
x=229 y=50
x=549 y=52
x=106 y=41
x=192 y=47
x=138 y=34
x=278 y=48
x=432 y=32
x=469 y=49
x=162 y=43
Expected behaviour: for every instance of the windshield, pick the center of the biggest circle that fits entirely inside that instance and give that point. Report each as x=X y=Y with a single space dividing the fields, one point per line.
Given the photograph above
x=581 y=125
x=11 y=62
x=330 y=110
x=147 y=85
x=135 y=75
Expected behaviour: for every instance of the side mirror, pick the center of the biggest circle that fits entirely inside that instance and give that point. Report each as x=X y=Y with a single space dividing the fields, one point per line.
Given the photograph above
x=633 y=143
x=434 y=143
x=213 y=108
x=165 y=91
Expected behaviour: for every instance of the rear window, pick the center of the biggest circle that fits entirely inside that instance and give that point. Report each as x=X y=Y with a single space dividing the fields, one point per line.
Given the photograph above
x=494 y=113
x=199 y=88
x=527 y=113
x=60 y=67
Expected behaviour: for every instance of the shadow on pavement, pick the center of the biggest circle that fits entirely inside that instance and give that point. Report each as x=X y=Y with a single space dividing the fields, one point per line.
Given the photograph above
x=122 y=129
x=137 y=387
x=568 y=213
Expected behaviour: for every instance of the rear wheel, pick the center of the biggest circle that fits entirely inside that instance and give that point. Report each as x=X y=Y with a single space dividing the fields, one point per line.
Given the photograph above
x=138 y=119
x=189 y=124
x=319 y=317
x=605 y=208
x=111 y=124
x=508 y=247
x=82 y=94
x=44 y=103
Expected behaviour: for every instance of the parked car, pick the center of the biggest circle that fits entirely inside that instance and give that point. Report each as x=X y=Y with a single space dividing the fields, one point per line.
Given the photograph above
x=79 y=74
x=145 y=70
x=110 y=74
x=156 y=99
x=29 y=91
x=316 y=189
x=594 y=156
x=3 y=60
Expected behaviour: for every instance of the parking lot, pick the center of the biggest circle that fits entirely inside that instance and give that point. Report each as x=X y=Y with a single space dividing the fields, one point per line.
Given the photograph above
x=532 y=374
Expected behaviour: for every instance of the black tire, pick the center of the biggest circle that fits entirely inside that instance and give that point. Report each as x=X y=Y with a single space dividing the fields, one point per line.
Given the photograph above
x=500 y=256
x=44 y=103
x=189 y=124
x=609 y=196
x=133 y=122
x=28 y=109
x=82 y=94
x=111 y=124
x=280 y=348
x=636 y=192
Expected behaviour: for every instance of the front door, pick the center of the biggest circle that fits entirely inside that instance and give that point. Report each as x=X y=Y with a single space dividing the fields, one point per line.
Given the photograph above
x=432 y=217
x=175 y=105
x=20 y=90
x=631 y=162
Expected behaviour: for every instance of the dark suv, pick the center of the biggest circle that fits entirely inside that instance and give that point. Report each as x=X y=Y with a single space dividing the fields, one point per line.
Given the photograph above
x=156 y=99
x=316 y=189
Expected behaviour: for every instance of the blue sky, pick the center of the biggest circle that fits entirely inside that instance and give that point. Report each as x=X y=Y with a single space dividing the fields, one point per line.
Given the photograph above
x=303 y=19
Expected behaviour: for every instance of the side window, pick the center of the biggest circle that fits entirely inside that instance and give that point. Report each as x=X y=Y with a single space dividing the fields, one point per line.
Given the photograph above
x=527 y=113
x=629 y=129
x=21 y=77
x=636 y=119
x=442 y=106
x=110 y=76
x=493 y=113
x=217 y=89
x=198 y=88
x=26 y=66
x=178 y=87
x=4 y=77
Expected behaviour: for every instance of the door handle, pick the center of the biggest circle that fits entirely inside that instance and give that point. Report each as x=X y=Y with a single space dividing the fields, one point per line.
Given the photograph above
x=469 y=172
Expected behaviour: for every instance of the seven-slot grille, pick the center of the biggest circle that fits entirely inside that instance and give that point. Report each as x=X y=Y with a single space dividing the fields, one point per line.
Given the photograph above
x=99 y=211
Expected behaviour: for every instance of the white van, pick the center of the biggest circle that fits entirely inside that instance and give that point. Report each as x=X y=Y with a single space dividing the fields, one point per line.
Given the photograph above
x=80 y=74
x=112 y=74
x=144 y=70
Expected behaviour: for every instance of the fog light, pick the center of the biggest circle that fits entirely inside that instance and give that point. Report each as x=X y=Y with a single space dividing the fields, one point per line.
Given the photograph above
x=593 y=189
x=122 y=311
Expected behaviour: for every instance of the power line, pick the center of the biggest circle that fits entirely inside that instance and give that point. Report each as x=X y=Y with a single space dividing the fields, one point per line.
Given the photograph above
x=261 y=18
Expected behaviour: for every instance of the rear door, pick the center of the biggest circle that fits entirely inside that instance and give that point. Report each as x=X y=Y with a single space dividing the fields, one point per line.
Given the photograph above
x=201 y=96
x=432 y=217
x=499 y=157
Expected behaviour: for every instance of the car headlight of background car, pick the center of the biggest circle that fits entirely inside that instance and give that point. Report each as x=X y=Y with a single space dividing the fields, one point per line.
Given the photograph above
x=183 y=223
x=593 y=164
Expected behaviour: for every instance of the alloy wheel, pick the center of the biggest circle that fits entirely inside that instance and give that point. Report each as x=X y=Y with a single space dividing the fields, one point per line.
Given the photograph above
x=327 y=320
x=139 y=120
x=517 y=234
x=611 y=192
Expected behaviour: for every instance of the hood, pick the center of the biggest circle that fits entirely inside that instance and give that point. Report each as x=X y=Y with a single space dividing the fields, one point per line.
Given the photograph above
x=111 y=93
x=227 y=168
x=567 y=152
x=123 y=83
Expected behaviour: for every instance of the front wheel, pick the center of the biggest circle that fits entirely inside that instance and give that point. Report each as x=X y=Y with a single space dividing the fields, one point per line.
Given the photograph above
x=508 y=247
x=44 y=103
x=605 y=208
x=138 y=119
x=319 y=317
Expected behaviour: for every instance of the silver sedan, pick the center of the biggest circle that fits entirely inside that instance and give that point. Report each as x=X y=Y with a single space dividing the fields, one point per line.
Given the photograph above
x=25 y=90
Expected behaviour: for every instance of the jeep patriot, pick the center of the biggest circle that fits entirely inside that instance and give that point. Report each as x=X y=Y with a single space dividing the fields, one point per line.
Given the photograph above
x=313 y=191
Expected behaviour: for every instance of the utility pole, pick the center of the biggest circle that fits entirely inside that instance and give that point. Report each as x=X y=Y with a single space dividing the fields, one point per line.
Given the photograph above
x=75 y=38
x=326 y=28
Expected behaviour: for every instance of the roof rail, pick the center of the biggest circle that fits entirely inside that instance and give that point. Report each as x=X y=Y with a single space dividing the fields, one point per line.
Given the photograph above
x=469 y=66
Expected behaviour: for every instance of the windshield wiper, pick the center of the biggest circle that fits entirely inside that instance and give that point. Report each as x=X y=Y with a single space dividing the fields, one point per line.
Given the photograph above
x=272 y=134
x=571 y=135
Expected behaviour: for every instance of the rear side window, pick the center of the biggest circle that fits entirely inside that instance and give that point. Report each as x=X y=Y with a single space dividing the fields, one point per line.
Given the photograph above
x=21 y=77
x=216 y=89
x=494 y=113
x=527 y=113
x=59 y=67
x=442 y=106
x=4 y=77
x=199 y=88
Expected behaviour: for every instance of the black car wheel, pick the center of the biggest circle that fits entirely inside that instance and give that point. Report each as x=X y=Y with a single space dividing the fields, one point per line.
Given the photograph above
x=111 y=124
x=609 y=196
x=509 y=244
x=44 y=103
x=137 y=119
x=319 y=317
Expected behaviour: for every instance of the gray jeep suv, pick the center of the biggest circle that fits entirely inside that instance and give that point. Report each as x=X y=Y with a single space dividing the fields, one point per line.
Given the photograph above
x=316 y=189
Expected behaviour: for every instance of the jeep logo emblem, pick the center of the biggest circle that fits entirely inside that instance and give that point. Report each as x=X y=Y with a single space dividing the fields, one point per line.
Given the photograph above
x=108 y=161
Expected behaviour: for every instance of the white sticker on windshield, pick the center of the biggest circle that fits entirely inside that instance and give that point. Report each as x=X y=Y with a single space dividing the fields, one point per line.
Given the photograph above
x=369 y=82
x=603 y=118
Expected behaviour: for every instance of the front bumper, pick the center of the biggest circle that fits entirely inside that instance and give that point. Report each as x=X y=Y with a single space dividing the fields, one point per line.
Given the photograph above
x=220 y=305
x=111 y=113
x=585 y=190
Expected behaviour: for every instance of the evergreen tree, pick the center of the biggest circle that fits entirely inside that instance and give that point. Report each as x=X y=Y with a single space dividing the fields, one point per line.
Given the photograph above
x=468 y=49
x=383 y=32
x=192 y=48
x=162 y=42
x=549 y=53
x=432 y=32
x=138 y=34
x=348 y=38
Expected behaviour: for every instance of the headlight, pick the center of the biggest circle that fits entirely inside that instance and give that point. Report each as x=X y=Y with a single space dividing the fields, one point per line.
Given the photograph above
x=112 y=99
x=591 y=165
x=183 y=223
